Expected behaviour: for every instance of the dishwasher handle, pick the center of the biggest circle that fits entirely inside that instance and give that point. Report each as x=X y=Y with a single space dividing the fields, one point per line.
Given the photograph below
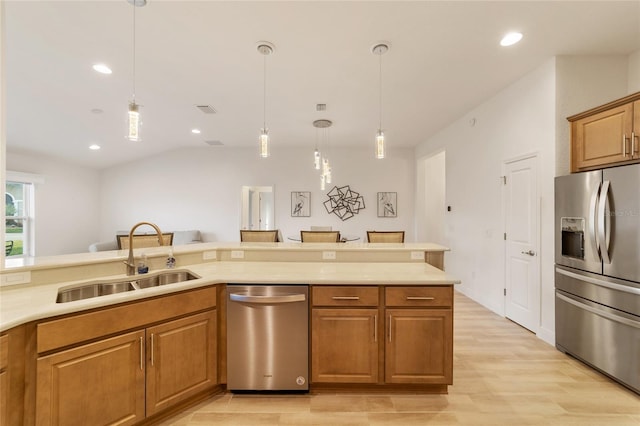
x=281 y=298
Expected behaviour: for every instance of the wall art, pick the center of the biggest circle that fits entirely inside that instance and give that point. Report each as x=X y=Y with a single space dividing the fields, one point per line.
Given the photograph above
x=387 y=204
x=300 y=203
x=344 y=202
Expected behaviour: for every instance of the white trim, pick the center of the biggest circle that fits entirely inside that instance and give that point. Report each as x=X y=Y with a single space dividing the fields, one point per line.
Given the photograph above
x=24 y=177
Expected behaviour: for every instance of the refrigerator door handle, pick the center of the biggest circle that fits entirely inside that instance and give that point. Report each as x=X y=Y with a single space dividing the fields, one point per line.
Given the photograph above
x=593 y=225
x=601 y=283
x=599 y=312
x=603 y=223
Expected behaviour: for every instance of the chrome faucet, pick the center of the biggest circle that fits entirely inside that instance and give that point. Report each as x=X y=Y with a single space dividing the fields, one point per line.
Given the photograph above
x=131 y=267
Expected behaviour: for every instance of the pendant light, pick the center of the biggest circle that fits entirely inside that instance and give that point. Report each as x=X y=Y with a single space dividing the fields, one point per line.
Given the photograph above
x=265 y=48
x=133 y=116
x=380 y=49
x=321 y=157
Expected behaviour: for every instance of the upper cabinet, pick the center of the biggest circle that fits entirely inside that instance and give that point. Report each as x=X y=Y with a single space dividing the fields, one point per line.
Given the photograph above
x=607 y=135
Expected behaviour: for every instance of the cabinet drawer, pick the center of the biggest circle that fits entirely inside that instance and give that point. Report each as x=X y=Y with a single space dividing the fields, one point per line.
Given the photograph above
x=437 y=296
x=344 y=296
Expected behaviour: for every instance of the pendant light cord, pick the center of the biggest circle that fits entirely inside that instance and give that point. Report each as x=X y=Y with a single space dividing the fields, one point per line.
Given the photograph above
x=380 y=75
x=134 y=53
x=264 y=98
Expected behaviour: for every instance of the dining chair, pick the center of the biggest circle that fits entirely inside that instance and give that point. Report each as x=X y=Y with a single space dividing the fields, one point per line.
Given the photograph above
x=320 y=236
x=320 y=228
x=144 y=240
x=385 y=236
x=259 y=236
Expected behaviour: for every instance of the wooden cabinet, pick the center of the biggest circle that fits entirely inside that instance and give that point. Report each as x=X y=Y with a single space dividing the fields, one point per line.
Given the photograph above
x=607 y=135
x=408 y=339
x=344 y=334
x=131 y=373
x=4 y=378
x=182 y=360
x=100 y=383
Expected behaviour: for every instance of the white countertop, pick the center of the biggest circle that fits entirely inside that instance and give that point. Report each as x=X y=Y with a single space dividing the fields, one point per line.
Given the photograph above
x=22 y=304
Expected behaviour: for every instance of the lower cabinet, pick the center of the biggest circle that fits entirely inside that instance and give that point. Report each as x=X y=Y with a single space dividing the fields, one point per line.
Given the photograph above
x=182 y=360
x=412 y=330
x=101 y=383
x=4 y=379
x=344 y=345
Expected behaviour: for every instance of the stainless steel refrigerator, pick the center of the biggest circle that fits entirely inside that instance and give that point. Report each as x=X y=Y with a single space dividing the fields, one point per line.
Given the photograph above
x=597 y=274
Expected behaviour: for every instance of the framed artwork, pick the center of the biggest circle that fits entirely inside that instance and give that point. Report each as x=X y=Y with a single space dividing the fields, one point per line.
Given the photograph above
x=387 y=204
x=300 y=204
x=344 y=202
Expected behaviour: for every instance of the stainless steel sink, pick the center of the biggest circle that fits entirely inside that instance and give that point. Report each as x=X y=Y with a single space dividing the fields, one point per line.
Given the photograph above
x=92 y=290
x=164 y=278
x=87 y=291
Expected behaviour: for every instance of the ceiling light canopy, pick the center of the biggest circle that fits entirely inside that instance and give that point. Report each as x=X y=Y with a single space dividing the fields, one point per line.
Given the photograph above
x=102 y=69
x=511 y=39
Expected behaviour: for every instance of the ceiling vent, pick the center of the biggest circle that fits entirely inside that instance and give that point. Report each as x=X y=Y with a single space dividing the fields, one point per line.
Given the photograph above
x=214 y=143
x=207 y=109
x=321 y=107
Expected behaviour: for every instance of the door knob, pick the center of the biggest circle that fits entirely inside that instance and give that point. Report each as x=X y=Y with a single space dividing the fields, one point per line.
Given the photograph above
x=530 y=252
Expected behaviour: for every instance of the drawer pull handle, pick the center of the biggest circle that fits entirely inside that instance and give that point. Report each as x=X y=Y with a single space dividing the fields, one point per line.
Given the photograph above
x=346 y=297
x=420 y=298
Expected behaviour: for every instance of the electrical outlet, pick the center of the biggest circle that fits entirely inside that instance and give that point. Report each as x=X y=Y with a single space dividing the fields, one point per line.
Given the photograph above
x=417 y=255
x=237 y=254
x=209 y=255
x=329 y=255
x=16 y=278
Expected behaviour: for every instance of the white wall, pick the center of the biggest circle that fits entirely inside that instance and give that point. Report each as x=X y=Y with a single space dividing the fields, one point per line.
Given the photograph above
x=634 y=72
x=430 y=198
x=517 y=121
x=199 y=188
x=66 y=204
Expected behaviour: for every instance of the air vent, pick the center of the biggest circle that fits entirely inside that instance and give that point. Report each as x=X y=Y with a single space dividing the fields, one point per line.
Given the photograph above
x=321 y=107
x=207 y=109
x=214 y=143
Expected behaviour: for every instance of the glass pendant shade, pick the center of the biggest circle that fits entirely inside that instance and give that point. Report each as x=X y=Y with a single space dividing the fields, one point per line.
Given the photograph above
x=316 y=159
x=264 y=143
x=380 y=151
x=322 y=183
x=133 y=123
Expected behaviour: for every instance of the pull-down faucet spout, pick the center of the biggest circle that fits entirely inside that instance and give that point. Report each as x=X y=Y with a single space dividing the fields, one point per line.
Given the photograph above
x=131 y=267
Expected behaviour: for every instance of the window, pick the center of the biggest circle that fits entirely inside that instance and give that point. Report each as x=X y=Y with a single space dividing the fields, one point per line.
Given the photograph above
x=19 y=198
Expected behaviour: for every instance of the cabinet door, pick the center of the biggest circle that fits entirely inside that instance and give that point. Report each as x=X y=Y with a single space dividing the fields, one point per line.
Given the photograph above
x=182 y=359
x=101 y=383
x=4 y=378
x=344 y=346
x=419 y=346
x=602 y=139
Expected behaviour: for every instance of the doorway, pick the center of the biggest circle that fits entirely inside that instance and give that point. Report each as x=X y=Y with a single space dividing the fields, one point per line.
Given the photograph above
x=522 y=238
x=430 y=199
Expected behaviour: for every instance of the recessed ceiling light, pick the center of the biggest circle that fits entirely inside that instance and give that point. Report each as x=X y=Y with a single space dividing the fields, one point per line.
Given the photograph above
x=511 y=39
x=196 y=131
x=102 y=69
x=94 y=147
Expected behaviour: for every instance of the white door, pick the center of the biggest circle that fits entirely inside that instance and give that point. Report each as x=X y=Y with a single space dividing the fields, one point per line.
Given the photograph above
x=522 y=219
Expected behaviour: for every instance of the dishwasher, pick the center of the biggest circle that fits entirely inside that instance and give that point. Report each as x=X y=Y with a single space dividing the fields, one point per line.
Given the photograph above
x=267 y=337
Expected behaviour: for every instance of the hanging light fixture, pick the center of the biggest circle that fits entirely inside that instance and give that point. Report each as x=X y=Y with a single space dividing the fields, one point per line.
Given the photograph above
x=380 y=49
x=265 y=48
x=321 y=157
x=133 y=117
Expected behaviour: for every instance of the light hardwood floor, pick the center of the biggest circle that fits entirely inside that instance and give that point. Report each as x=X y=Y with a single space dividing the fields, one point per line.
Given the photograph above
x=503 y=375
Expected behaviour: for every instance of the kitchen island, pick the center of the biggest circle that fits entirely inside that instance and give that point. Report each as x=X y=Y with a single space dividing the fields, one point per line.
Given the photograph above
x=169 y=342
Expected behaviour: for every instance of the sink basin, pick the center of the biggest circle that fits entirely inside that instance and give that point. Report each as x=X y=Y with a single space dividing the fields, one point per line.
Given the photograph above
x=164 y=278
x=93 y=290
x=87 y=291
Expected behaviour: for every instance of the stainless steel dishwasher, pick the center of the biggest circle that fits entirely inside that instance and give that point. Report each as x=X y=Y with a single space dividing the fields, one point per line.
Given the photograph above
x=267 y=337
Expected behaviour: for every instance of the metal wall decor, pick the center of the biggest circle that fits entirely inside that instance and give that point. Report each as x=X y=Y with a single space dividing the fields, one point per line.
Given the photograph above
x=300 y=203
x=343 y=202
x=387 y=204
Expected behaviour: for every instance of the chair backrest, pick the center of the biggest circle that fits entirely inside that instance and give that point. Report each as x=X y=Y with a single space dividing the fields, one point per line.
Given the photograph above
x=320 y=236
x=144 y=240
x=320 y=228
x=262 y=236
x=385 y=236
x=8 y=246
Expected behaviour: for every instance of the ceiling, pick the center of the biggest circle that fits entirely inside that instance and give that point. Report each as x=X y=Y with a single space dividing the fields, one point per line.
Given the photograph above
x=444 y=60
